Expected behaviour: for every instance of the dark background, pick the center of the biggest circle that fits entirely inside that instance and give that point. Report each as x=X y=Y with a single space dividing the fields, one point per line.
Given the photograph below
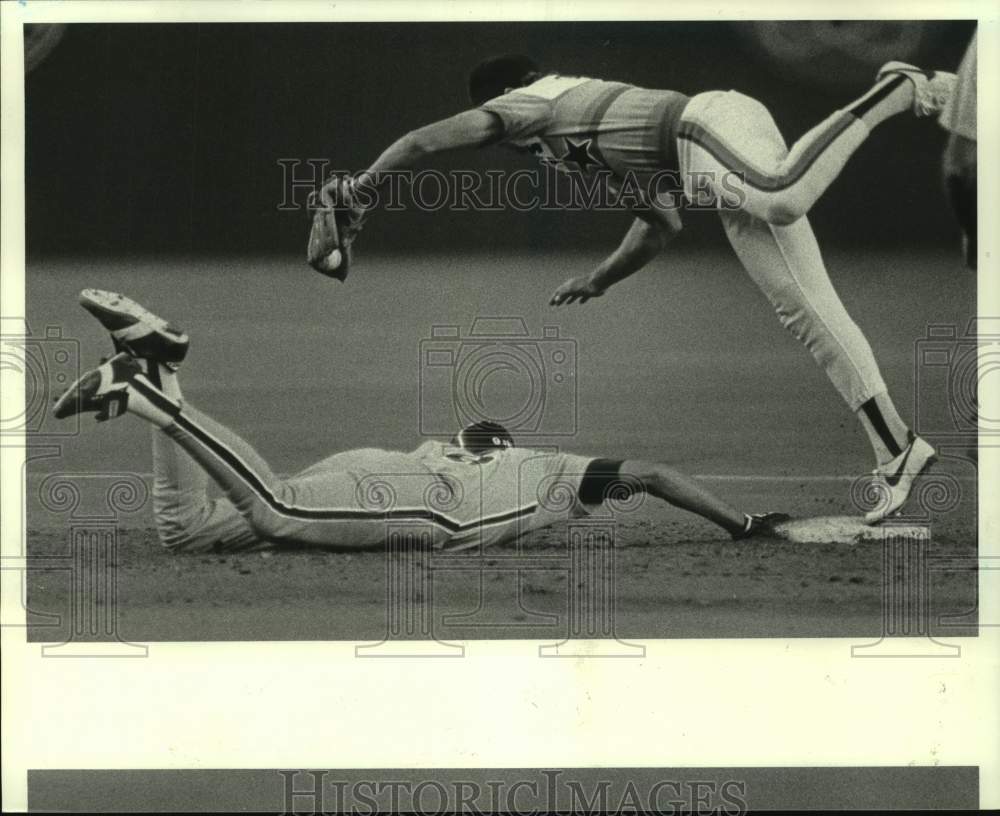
x=166 y=138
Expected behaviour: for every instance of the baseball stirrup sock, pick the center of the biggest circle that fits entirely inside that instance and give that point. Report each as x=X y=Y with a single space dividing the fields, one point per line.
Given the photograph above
x=888 y=434
x=891 y=96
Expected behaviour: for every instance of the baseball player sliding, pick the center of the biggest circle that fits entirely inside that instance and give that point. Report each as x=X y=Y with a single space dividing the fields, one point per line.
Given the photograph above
x=727 y=153
x=477 y=489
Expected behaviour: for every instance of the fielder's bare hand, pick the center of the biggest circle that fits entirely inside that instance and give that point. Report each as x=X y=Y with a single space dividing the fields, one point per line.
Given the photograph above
x=580 y=288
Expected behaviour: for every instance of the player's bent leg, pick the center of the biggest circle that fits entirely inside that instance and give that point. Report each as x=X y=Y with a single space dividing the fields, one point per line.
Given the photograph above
x=271 y=506
x=267 y=503
x=732 y=140
x=187 y=519
x=733 y=156
x=318 y=509
x=142 y=379
x=786 y=265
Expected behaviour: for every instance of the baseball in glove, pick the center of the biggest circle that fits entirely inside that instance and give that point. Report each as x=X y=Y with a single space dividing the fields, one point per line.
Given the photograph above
x=336 y=222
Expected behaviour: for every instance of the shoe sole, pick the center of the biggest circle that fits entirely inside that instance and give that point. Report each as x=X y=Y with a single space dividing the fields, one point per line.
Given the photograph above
x=117 y=313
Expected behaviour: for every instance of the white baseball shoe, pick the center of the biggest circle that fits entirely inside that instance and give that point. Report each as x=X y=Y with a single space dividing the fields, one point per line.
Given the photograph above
x=894 y=480
x=134 y=329
x=931 y=89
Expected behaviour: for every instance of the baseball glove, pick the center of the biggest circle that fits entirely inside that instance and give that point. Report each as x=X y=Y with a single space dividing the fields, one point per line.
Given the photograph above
x=336 y=222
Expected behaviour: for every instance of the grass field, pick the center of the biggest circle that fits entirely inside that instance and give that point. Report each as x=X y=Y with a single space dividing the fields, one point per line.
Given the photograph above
x=685 y=363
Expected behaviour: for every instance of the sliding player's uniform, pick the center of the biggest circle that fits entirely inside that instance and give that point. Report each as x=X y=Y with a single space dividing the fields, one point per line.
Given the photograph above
x=349 y=500
x=476 y=490
x=727 y=152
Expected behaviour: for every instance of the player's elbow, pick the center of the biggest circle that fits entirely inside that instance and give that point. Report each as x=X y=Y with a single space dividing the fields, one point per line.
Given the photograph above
x=642 y=477
x=418 y=144
x=654 y=241
x=657 y=229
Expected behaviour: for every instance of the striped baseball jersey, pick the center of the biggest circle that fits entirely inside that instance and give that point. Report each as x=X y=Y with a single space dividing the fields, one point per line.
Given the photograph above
x=578 y=124
x=469 y=500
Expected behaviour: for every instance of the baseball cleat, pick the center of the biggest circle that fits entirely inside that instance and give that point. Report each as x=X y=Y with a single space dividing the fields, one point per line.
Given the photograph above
x=103 y=390
x=135 y=330
x=931 y=89
x=894 y=480
x=760 y=524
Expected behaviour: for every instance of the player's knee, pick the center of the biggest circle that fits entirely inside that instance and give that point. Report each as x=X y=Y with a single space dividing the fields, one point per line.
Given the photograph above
x=176 y=532
x=785 y=210
x=268 y=525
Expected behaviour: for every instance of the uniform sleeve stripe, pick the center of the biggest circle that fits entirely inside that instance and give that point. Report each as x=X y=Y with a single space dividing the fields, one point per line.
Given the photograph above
x=595 y=115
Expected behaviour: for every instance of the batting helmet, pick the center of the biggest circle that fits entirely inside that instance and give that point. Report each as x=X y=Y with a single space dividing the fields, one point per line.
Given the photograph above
x=480 y=437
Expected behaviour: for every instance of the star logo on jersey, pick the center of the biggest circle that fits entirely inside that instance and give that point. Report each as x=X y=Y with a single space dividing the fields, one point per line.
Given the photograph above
x=581 y=154
x=538 y=150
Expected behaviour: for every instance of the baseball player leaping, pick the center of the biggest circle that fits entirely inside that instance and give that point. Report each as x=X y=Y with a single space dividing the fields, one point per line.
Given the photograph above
x=477 y=489
x=727 y=152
